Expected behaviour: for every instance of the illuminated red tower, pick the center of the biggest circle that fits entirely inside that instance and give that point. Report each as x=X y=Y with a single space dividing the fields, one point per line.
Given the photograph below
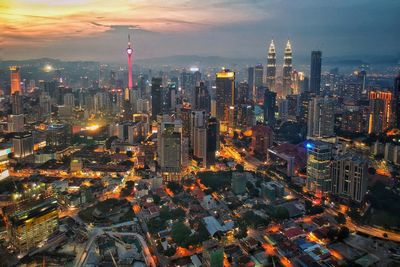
x=129 y=51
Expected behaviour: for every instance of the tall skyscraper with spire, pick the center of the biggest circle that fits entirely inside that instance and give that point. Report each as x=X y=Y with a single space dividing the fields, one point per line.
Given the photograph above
x=287 y=70
x=129 y=52
x=271 y=67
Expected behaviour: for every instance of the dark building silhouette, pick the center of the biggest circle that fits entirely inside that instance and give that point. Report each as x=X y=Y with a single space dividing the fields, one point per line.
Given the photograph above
x=315 y=76
x=269 y=107
x=212 y=140
x=156 y=97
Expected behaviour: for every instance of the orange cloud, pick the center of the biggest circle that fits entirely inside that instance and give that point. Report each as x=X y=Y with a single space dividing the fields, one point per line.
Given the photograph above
x=33 y=22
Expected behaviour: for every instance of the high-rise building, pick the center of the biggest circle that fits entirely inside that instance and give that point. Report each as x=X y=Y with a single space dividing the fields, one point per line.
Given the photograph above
x=16 y=123
x=213 y=254
x=258 y=81
x=15 y=78
x=269 y=107
x=22 y=144
x=396 y=96
x=202 y=98
x=238 y=183
x=32 y=224
x=262 y=139
x=16 y=103
x=198 y=119
x=242 y=93
x=225 y=94
x=129 y=52
x=58 y=135
x=349 y=177
x=380 y=117
x=315 y=74
x=156 y=97
x=271 y=67
x=69 y=100
x=250 y=81
x=170 y=102
x=321 y=119
x=318 y=166
x=170 y=149
x=212 y=140
x=101 y=102
x=287 y=70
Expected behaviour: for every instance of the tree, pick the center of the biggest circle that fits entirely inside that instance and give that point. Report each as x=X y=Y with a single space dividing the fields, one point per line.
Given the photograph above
x=156 y=199
x=180 y=232
x=239 y=167
x=117 y=150
x=175 y=187
x=307 y=205
x=129 y=153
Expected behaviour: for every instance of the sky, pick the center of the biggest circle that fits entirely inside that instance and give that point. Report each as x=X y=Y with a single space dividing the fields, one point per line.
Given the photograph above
x=98 y=29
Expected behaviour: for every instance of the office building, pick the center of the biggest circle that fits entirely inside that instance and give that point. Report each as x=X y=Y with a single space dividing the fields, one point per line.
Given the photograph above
x=16 y=104
x=287 y=70
x=212 y=140
x=258 y=82
x=22 y=144
x=202 y=100
x=15 y=78
x=101 y=102
x=213 y=254
x=315 y=73
x=16 y=123
x=269 y=107
x=318 y=167
x=271 y=67
x=31 y=225
x=262 y=139
x=250 y=81
x=156 y=97
x=225 y=94
x=349 y=177
x=170 y=103
x=321 y=117
x=58 y=135
x=170 y=149
x=242 y=93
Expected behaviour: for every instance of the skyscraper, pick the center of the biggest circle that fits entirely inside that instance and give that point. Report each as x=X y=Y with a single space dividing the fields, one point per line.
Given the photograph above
x=202 y=98
x=15 y=78
x=287 y=70
x=258 y=81
x=129 y=52
x=250 y=81
x=22 y=144
x=212 y=140
x=170 y=149
x=269 y=107
x=315 y=74
x=156 y=97
x=349 y=177
x=318 y=166
x=225 y=93
x=320 y=117
x=271 y=67
x=16 y=103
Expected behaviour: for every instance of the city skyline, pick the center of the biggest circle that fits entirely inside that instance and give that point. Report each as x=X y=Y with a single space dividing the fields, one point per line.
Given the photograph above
x=90 y=30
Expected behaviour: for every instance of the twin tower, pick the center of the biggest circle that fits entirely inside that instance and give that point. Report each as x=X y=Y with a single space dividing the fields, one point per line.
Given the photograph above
x=287 y=68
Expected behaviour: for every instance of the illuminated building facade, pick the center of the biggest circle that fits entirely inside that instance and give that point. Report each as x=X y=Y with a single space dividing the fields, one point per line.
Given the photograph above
x=380 y=117
x=287 y=70
x=271 y=67
x=397 y=100
x=225 y=94
x=318 y=166
x=258 y=81
x=22 y=144
x=15 y=77
x=30 y=226
x=315 y=76
x=349 y=177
